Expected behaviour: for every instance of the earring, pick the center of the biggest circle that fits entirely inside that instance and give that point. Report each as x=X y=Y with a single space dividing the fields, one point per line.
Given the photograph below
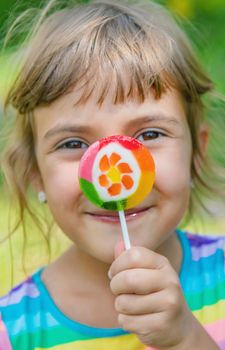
x=42 y=197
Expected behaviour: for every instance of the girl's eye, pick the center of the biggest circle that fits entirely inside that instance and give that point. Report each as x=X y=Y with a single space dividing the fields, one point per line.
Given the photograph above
x=72 y=144
x=149 y=135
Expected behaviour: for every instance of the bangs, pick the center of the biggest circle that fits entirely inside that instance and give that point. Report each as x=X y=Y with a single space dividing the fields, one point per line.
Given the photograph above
x=107 y=51
x=129 y=66
x=109 y=55
x=120 y=72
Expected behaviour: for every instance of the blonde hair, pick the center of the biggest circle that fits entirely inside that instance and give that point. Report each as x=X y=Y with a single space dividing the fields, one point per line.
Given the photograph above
x=100 y=46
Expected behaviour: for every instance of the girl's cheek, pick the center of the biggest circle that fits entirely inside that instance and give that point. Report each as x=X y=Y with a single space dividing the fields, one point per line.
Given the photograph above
x=172 y=172
x=61 y=179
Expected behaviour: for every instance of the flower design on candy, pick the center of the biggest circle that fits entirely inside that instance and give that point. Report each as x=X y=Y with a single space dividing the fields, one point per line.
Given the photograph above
x=116 y=174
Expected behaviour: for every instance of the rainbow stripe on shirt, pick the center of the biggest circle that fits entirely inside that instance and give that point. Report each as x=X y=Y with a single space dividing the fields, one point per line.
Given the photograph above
x=203 y=282
x=30 y=320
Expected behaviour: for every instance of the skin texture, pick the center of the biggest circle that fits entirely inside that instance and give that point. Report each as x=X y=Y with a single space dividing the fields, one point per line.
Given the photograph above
x=143 y=294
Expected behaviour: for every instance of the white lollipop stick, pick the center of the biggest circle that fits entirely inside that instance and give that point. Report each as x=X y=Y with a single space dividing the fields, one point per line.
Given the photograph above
x=125 y=233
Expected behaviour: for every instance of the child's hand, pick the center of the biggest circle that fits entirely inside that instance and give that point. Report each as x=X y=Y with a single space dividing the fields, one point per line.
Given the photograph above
x=149 y=300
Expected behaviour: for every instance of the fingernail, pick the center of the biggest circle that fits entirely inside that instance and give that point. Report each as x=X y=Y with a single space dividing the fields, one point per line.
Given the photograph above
x=110 y=274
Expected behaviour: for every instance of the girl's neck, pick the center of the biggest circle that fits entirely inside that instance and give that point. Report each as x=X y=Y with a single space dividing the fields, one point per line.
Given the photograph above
x=79 y=286
x=79 y=270
x=79 y=283
x=89 y=269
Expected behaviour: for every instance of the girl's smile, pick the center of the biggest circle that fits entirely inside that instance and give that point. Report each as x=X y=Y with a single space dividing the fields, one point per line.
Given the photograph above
x=113 y=217
x=64 y=131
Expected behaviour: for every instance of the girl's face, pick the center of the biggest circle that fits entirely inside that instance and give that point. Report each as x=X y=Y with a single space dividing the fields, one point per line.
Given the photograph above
x=63 y=131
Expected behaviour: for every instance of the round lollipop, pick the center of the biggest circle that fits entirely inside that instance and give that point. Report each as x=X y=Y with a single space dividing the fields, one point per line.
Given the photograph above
x=117 y=173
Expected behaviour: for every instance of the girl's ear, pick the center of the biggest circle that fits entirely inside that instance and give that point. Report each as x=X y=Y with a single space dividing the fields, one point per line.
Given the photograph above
x=36 y=181
x=203 y=138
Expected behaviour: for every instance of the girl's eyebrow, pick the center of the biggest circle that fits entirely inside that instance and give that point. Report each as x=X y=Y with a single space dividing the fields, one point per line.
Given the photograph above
x=58 y=129
x=153 y=118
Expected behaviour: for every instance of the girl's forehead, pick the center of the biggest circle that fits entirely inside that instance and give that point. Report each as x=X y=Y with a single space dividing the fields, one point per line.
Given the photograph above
x=64 y=111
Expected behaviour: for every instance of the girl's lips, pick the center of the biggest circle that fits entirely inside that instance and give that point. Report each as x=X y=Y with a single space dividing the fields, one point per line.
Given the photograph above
x=113 y=217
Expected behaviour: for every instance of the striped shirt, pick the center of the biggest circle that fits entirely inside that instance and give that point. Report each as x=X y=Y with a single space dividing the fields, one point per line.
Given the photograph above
x=30 y=320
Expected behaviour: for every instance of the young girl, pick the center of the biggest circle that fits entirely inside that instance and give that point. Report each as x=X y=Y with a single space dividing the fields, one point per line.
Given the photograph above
x=91 y=71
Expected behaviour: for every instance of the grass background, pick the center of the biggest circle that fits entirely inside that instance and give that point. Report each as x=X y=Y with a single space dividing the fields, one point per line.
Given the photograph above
x=204 y=20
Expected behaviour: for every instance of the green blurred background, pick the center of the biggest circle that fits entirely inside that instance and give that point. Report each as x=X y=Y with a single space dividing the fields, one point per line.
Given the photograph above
x=204 y=20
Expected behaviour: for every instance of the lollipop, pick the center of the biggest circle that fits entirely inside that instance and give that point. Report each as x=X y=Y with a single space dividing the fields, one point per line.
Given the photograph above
x=117 y=173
